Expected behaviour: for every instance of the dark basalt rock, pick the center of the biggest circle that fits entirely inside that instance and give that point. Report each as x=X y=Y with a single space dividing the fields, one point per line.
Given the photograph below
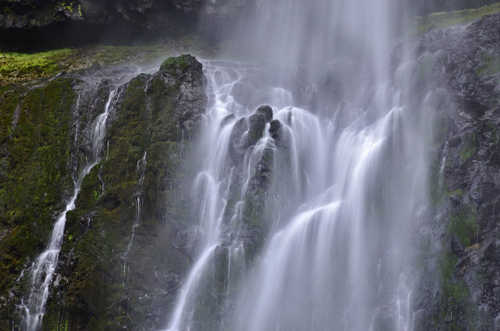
x=256 y=126
x=266 y=111
x=33 y=24
x=465 y=259
x=237 y=144
x=275 y=129
x=152 y=121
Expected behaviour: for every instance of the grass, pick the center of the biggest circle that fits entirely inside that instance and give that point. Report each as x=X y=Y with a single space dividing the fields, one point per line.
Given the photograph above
x=22 y=67
x=19 y=66
x=25 y=67
x=446 y=19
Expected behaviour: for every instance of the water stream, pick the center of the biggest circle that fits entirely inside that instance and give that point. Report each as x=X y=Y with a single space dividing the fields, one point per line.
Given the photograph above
x=305 y=221
x=44 y=267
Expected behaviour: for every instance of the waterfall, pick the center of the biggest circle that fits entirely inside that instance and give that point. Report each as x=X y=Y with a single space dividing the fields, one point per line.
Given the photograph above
x=305 y=209
x=44 y=267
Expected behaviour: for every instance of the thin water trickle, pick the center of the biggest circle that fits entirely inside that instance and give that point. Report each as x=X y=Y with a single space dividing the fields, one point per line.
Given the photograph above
x=44 y=267
x=141 y=171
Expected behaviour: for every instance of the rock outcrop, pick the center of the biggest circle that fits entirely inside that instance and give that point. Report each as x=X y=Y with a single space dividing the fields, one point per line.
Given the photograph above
x=31 y=23
x=119 y=257
x=460 y=254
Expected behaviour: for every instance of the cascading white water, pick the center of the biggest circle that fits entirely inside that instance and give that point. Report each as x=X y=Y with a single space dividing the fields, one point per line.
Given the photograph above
x=44 y=267
x=211 y=187
x=349 y=149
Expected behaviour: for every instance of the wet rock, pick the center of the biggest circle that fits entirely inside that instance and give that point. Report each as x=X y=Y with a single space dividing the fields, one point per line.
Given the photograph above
x=85 y=20
x=155 y=115
x=236 y=145
x=256 y=126
x=464 y=60
x=456 y=246
x=275 y=129
x=226 y=120
x=266 y=111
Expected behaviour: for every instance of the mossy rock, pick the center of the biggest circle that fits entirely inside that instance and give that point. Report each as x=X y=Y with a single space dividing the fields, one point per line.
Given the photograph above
x=102 y=286
x=35 y=144
x=447 y=19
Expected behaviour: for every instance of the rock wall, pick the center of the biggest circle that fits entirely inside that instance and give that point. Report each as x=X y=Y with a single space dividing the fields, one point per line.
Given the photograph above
x=124 y=251
x=35 y=176
x=31 y=24
x=460 y=256
x=120 y=256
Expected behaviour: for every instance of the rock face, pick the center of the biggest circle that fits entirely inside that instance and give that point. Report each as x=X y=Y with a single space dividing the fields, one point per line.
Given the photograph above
x=78 y=21
x=462 y=293
x=35 y=176
x=126 y=245
x=33 y=14
x=119 y=256
x=429 y=6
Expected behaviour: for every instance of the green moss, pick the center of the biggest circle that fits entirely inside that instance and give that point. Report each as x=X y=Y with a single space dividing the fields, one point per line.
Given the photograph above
x=437 y=192
x=68 y=6
x=464 y=226
x=452 y=289
x=491 y=66
x=176 y=63
x=22 y=67
x=100 y=289
x=469 y=147
x=18 y=66
x=100 y=225
x=458 y=193
x=446 y=19
x=35 y=145
x=454 y=304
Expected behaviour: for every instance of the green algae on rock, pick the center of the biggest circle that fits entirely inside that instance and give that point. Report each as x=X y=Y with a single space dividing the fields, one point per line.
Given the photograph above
x=150 y=118
x=446 y=19
x=36 y=175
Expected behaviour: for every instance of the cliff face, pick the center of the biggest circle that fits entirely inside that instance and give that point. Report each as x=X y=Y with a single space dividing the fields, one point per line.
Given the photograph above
x=31 y=24
x=460 y=242
x=112 y=265
x=125 y=253
x=147 y=14
x=35 y=175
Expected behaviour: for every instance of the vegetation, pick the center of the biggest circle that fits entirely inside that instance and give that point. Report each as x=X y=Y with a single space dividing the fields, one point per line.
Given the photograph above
x=469 y=147
x=34 y=171
x=25 y=67
x=491 y=66
x=447 y=19
x=97 y=282
x=464 y=226
x=21 y=67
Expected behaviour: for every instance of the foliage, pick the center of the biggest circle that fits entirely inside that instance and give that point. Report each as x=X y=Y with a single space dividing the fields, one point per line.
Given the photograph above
x=464 y=226
x=24 y=67
x=34 y=177
x=21 y=67
x=447 y=19
x=491 y=66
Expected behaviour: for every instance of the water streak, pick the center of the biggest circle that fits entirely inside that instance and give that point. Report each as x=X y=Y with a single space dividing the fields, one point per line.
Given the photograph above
x=44 y=267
